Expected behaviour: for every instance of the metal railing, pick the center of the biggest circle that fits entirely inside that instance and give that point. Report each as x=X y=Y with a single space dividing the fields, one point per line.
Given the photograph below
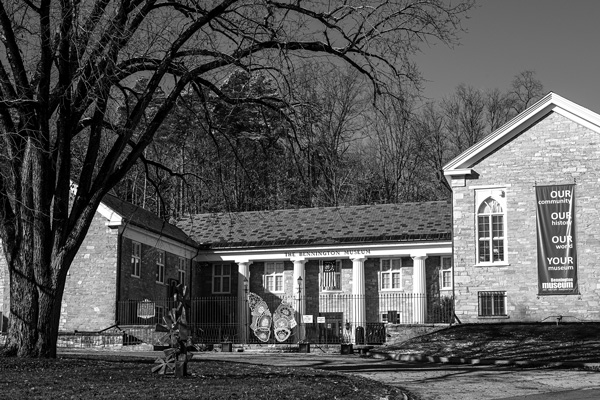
x=327 y=318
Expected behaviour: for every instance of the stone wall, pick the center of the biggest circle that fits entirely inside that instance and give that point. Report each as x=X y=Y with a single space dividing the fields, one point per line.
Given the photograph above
x=89 y=299
x=555 y=150
x=397 y=334
x=4 y=294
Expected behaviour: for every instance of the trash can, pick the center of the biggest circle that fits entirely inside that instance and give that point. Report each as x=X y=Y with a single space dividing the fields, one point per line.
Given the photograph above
x=346 y=348
x=226 y=347
x=359 y=336
x=304 y=348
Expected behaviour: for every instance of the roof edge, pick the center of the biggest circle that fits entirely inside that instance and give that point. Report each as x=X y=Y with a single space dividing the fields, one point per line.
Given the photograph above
x=522 y=121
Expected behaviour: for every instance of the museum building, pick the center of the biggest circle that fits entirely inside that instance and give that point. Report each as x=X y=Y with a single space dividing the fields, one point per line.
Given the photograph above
x=339 y=268
x=526 y=218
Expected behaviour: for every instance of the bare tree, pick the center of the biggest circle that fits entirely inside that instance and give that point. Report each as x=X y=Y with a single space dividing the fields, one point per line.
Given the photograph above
x=499 y=108
x=329 y=120
x=66 y=67
x=465 y=116
x=526 y=90
x=393 y=154
x=435 y=148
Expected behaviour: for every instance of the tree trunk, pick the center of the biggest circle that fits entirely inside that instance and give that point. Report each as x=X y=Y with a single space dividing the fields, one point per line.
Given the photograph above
x=34 y=314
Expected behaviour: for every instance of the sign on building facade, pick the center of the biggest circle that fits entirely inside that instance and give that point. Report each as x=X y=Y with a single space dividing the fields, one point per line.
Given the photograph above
x=556 y=244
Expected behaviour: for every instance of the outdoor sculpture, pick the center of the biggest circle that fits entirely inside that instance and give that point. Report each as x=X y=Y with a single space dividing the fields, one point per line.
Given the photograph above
x=177 y=334
x=282 y=320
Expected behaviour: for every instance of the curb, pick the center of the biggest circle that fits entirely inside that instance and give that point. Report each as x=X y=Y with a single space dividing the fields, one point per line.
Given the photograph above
x=483 y=361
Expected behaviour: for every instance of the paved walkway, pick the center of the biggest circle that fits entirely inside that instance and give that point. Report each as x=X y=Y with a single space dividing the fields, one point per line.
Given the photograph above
x=430 y=380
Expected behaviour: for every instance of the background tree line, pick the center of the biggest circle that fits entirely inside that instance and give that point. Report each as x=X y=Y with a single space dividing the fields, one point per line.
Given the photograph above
x=334 y=145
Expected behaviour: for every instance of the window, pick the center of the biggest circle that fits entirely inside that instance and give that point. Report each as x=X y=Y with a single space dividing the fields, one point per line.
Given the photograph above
x=446 y=273
x=492 y=304
x=182 y=270
x=160 y=267
x=331 y=274
x=491 y=243
x=274 y=276
x=136 y=259
x=391 y=273
x=392 y=317
x=160 y=313
x=221 y=278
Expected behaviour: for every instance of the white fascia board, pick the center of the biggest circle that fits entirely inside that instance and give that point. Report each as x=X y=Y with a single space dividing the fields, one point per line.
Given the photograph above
x=496 y=139
x=158 y=241
x=403 y=249
x=114 y=219
x=458 y=172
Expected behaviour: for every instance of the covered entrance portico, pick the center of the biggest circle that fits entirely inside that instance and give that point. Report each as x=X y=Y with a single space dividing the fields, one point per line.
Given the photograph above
x=344 y=292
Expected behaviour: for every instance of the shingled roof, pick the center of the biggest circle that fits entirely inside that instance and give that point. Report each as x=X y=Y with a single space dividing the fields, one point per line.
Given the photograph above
x=145 y=219
x=426 y=221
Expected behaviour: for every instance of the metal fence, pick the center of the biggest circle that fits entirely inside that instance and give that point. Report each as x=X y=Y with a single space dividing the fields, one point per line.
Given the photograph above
x=327 y=318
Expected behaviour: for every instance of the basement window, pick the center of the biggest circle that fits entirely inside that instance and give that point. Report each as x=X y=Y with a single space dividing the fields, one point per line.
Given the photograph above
x=492 y=304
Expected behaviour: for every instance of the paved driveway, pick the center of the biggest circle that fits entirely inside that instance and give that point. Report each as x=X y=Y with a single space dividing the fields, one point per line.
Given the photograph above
x=442 y=381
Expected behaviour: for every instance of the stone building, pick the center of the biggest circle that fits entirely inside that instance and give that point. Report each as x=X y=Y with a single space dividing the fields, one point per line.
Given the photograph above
x=526 y=210
x=128 y=254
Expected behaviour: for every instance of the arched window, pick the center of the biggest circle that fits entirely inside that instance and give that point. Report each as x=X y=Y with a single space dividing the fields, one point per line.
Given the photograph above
x=490 y=232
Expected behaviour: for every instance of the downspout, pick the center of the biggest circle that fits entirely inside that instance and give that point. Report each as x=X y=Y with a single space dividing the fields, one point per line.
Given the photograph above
x=454 y=317
x=118 y=280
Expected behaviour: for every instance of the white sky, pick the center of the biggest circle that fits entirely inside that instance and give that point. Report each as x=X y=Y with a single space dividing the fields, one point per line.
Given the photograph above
x=558 y=39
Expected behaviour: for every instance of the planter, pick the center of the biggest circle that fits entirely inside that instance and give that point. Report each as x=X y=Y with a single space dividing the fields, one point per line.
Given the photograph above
x=226 y=347
x=304 y=348
x=347 y=348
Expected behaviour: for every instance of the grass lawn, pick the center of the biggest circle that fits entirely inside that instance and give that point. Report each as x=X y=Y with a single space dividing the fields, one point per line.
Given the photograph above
x=118 y=377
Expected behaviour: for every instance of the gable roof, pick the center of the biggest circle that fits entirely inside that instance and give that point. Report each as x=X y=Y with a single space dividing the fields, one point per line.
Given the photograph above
x=137 y=216
x=427 y=221
x=462 y=164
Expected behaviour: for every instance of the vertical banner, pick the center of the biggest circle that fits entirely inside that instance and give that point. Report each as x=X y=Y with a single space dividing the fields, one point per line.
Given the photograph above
x=556 y=249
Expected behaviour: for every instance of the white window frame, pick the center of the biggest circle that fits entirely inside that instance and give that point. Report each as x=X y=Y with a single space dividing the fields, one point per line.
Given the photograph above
x=446 y=269
x=182 y=267
x=221 y=278
x=337 y=276
x=160 y=267
x=273 y=277
x=390 y=274
x=483 y=196
x=136 y=259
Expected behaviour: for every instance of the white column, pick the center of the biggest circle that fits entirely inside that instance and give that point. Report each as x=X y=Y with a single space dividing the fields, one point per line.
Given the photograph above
x=243 y=276
x=419 y=289
x=359 y=317
x=299 y=293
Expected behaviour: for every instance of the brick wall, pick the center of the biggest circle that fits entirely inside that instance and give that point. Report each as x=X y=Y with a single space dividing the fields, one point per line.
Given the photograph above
x=553 y=151
x=145 y=286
